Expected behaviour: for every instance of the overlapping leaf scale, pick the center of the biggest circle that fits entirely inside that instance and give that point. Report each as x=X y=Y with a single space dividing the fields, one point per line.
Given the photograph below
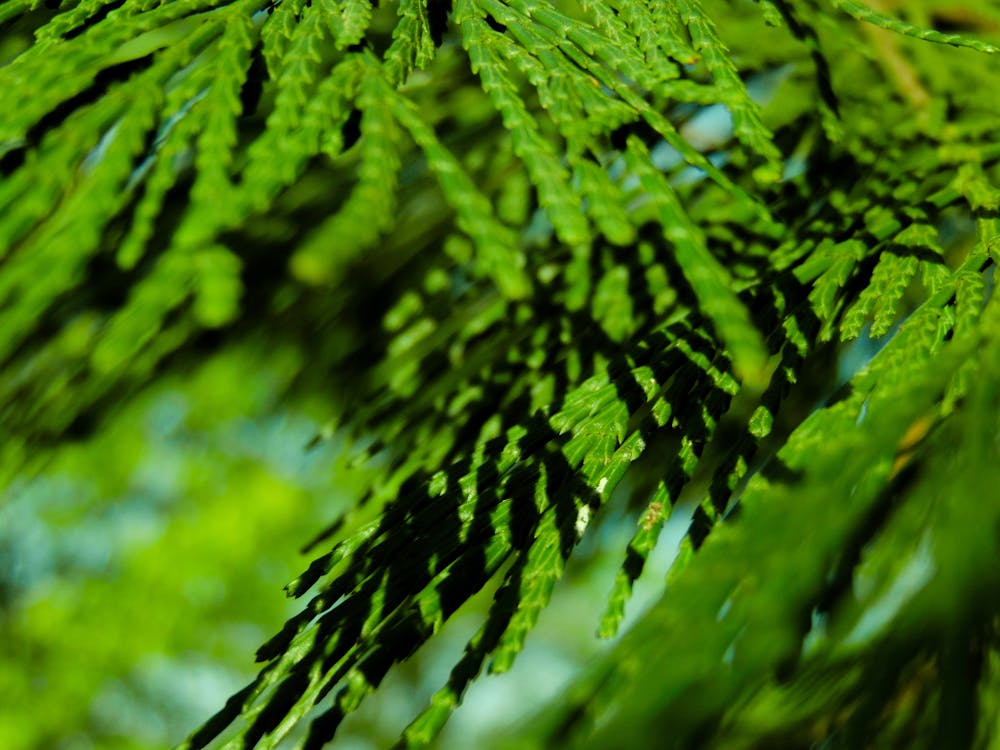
x=459 y=389
x=59 y=71
x=546 y=22
x=542 y=29
x=973 y=304
x=658 y=509
x=661 y=44
x=366 y=618
x=428 y=724
x=590 y=41
x=218 y=108
x=867 y=14
x=927 y=330
x=829 y=264
x=605 y=201
x=829 y=268
x=576 y=104
x=609 y=46
x=600 y=447
x=446 y=702
x=312 y=660
x=732 y=92
x=498 y=255
x=979 y=191
x=163 y=166
x=50 y=261
x=891 y=277
x=555 y=80
x=391 y=633
x=349 y=20
x=378 y=543
x=412 y=45
x=71 y=19
x=193 y=263
x=32 y=192
x=278 y=32
x=219 y=287
x=216 y=282
x=898 y=240
x=305 y=83
x=546 y=559
x=369 y=209
x=707 y=276
x=642 y=543
x=547 y=173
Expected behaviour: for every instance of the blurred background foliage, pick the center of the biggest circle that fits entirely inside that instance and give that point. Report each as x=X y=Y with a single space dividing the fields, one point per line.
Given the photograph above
x=143 y=565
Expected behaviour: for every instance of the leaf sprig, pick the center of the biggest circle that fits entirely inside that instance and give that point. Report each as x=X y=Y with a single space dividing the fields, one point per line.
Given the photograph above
x=588 y=249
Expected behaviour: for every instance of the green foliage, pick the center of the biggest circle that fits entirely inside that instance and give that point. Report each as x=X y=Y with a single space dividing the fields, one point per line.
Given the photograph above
x=128 y=595
x=552 y=257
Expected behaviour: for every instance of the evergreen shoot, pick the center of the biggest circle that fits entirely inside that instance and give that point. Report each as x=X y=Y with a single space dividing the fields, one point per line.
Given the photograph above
x=717 y=263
